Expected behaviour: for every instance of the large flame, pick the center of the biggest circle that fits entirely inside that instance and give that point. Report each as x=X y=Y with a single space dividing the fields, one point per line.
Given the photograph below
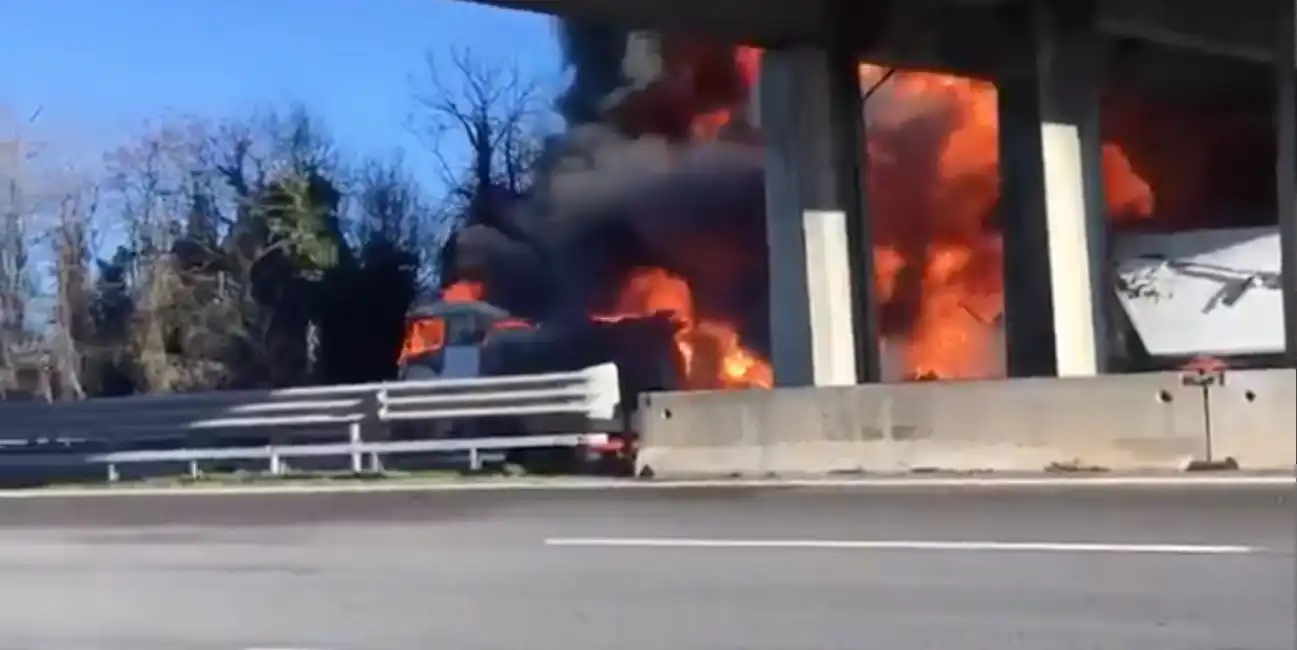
x=934 y=184
x=712 y=357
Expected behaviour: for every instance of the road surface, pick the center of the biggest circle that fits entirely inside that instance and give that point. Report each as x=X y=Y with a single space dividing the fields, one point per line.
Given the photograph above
x=683 y=569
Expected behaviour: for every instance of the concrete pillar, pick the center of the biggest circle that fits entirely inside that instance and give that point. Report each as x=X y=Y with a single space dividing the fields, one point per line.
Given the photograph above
x=820 y=272
x=1053 y=209
x=1286 y=166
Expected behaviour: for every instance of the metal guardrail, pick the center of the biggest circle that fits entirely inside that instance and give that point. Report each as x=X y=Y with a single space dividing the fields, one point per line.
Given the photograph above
x=276 y=454
x=198 y=421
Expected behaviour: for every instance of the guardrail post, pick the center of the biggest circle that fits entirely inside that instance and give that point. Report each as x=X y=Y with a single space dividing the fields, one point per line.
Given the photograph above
x=276 y=463
x=371 y=428
x=356 y=438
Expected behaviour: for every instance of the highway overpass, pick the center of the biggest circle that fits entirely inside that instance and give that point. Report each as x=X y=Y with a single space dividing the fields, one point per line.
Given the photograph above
x=1050 y=62
x=957 y=28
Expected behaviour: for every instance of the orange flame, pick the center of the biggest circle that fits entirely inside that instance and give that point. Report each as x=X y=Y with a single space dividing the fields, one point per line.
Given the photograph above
x=711 y=354
x=426 y=335
x=464 y=291
x=934 y=182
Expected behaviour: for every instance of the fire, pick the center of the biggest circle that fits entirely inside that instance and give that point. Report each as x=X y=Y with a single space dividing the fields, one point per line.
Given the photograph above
x=934 y=181
x=712 y=357
x=710 y=352
x=429 y=334
x=934 y=185
x=422 y=336
x=464 y=291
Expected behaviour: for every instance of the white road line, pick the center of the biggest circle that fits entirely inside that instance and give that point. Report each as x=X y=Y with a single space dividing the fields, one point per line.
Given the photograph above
x=1008 y=482
x=903 y=545
x=276 y=647
x=280 y=648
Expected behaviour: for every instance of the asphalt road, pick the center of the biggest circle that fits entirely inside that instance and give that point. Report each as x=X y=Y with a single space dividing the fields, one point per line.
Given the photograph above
x=706 y=569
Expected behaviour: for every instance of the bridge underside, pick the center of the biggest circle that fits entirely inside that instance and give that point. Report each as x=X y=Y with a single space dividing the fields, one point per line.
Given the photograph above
x=1167 y=50
x=953 y=32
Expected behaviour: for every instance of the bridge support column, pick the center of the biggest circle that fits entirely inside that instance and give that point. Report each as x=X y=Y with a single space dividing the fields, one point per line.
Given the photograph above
x=820 y=272
x=1053 y=209
x=1286 y=166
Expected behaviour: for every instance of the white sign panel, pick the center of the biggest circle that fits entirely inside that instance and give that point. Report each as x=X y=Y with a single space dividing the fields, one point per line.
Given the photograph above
x=1211 y=292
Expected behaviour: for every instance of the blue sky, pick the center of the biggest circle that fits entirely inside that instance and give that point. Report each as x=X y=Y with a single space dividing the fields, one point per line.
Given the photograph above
x=100 y=68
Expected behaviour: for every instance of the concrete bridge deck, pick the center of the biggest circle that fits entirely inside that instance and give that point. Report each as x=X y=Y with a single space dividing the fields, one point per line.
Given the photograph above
x=933 y=31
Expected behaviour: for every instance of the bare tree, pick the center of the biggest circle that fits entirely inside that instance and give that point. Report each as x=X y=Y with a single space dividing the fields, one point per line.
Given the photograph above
x=484 y=126
x=389 y=212
x=70 y=242
x=47 y=205
x=226 y=236
x=15 y=281
x=31 y=188
x=149 y=180
x=284 y=236
x=228 y=222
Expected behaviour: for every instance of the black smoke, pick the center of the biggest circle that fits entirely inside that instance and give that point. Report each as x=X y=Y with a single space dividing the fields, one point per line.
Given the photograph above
x=609 y=200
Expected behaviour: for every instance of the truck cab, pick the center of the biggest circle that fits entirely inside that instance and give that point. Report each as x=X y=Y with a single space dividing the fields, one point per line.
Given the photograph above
x=445 y=340
x=477 y=339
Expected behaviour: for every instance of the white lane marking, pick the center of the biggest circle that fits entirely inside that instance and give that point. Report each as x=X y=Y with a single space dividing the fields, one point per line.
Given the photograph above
x=903 y=545
x=276 y=647
x=626 y=484
x=280 y=648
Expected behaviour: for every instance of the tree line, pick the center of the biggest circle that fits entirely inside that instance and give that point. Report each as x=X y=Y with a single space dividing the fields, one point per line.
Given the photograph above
x=252 y=252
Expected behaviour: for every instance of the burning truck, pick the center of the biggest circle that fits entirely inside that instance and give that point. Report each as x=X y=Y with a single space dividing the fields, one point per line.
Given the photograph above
x=462 y=336
x=643 y=241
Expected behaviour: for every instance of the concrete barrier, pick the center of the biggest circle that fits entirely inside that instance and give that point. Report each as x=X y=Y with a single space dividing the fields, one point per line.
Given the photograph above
x=1122 y=422
x=1253 y=419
